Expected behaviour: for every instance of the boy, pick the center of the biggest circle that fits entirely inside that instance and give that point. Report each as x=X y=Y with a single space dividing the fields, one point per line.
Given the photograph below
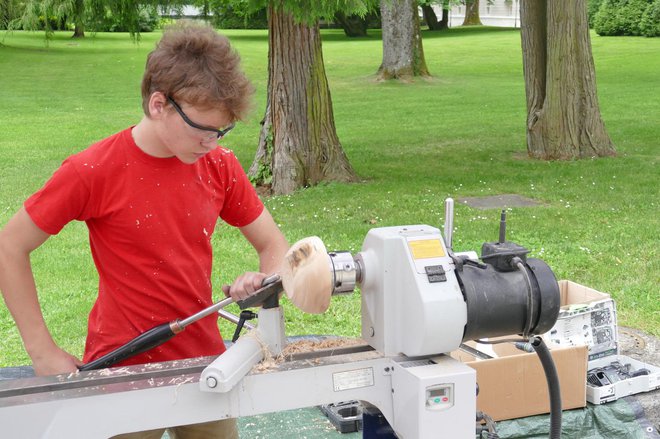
x=150 y=196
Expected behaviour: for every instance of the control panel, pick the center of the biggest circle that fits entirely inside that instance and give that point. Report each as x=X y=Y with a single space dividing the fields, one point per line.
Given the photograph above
x=440 y=397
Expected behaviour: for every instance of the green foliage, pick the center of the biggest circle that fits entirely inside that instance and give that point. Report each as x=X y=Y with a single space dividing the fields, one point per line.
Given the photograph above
x=592 y=10
x=54 y=23
x=96 y=15
x=125 y=15
x=44 y=15
x=650 y=24
x=10 y=11
x=233 y=14
x=310 y=11
x=228 y=17
x=146 y=20
x=620 y=17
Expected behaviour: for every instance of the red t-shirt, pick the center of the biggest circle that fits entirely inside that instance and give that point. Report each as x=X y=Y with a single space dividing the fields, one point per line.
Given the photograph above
x=150 y=223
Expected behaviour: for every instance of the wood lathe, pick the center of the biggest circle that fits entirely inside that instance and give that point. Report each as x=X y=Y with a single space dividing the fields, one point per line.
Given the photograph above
x=419 y=301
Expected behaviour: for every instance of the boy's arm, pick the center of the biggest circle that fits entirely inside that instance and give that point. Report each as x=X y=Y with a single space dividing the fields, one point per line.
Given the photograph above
x=270 y=244
x=17 y=240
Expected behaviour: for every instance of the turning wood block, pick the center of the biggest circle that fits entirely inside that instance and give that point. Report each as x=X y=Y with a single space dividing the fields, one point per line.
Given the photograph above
x=306 y=275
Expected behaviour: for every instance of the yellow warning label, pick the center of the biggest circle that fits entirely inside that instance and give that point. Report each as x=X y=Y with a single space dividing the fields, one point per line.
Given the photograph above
x=426 y=248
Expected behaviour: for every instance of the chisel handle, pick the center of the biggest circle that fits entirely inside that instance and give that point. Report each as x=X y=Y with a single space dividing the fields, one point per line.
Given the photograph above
x=158 y=335
x=142 y=343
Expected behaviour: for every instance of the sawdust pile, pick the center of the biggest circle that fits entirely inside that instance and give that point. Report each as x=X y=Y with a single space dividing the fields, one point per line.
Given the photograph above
x=297 y=347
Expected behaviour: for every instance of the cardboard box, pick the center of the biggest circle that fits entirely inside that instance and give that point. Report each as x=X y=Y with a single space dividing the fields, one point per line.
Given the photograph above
x=513 y=385
x=587 y=317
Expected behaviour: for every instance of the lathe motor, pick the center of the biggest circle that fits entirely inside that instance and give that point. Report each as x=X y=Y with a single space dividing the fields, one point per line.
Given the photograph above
x=419 y=298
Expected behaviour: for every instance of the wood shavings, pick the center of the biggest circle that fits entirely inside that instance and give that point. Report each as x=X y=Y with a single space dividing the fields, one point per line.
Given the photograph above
x=306 y=345
x=271 y=362
x=73 y=374
x=117 y=371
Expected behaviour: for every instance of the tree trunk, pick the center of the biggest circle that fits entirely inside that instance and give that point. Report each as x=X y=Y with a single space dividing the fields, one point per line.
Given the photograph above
x=432 y=20
x=444 y=22
x=353 y=25
x=79 y=31
x=298 y=144
x=471 y=13
x=563 y=116
x=78 y=17
x=403 y=53
x=429 y=16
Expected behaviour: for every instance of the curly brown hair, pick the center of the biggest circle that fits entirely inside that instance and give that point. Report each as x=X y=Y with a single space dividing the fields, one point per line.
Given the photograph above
x=192 y=63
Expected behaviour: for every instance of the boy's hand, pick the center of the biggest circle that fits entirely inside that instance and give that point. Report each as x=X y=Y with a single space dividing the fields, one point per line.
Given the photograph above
x=55 y=362
x=244 y=285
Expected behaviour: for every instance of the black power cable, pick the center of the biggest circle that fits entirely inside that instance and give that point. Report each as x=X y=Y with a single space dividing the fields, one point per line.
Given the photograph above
x=553 y=386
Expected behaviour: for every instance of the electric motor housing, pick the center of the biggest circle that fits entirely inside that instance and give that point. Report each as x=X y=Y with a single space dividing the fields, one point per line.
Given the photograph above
x=497 y=300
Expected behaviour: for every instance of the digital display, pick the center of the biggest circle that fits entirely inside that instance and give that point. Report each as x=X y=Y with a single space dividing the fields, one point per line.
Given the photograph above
x=438 y=392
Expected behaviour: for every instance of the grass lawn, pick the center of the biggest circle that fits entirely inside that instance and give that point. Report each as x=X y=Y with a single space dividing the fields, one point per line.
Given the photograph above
x=458 y=134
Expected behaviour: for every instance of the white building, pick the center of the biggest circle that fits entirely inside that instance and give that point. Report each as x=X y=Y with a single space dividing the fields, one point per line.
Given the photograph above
x=501 y=13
